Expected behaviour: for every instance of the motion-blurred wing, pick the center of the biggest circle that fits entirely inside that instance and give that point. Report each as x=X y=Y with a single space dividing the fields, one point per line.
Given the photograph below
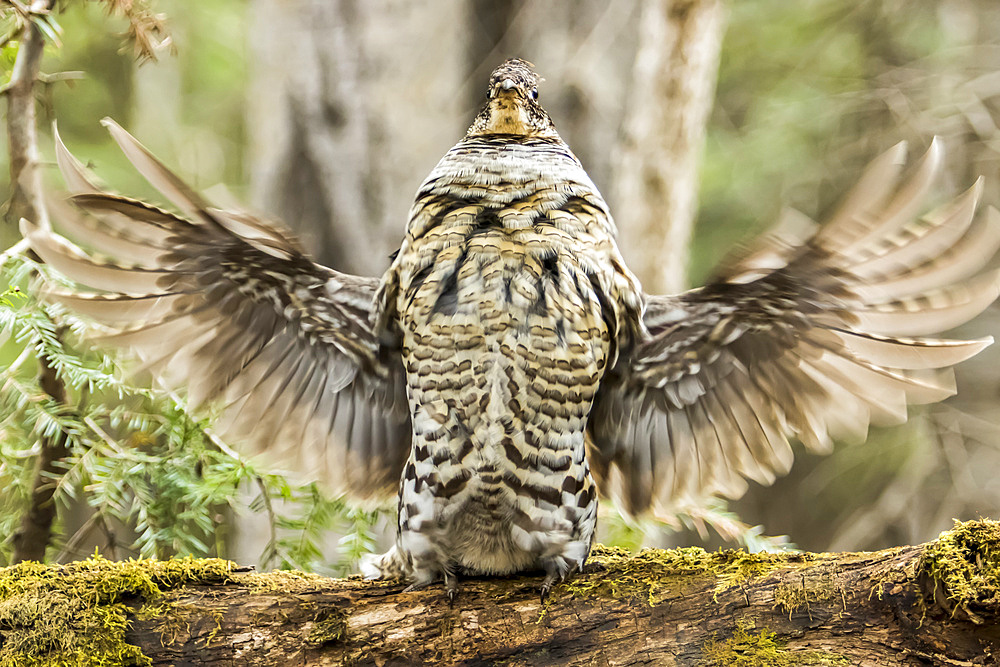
x=802 y=338
x=235 y=312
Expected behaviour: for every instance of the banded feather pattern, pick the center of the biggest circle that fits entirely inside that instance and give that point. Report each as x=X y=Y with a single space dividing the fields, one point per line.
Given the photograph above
x=233 y=311
x=805 y=336
x=508 y=370
x=510 y=298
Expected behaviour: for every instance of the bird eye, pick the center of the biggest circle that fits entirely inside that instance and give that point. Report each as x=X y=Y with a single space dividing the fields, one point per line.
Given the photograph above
x=534 y=93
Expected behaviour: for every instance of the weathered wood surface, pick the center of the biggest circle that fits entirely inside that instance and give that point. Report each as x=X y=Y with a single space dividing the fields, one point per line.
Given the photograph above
x=669 y=608
x=936 y=604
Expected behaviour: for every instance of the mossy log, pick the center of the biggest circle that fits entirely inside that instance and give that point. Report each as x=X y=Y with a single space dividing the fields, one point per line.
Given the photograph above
x=936 y=604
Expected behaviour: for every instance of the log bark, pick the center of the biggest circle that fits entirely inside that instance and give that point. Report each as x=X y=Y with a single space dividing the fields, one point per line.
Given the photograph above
x=936 y=604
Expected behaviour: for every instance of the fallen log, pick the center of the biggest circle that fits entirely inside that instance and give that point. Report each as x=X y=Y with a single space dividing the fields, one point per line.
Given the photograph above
x=935 y=604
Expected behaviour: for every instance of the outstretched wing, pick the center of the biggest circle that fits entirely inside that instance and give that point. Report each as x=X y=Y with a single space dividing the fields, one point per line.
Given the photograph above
x=802 y=338
x=235 y=312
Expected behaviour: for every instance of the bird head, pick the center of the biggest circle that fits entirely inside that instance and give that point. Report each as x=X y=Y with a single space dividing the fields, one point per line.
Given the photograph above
x=512 y=104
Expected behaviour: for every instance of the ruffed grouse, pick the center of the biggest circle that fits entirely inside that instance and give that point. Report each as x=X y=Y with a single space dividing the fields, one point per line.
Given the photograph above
x=508 y=370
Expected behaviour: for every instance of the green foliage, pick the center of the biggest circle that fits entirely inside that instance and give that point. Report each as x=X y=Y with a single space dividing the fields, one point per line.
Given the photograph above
x=151 y=480
x=146 y=29
x=11 y=292
x=138 y=462
x=15 y=17
x=304 y=517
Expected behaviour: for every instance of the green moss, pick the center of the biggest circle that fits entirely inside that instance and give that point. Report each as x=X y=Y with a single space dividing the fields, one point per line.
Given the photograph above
x=654 y=572
x=963 y=566
x=76 y=614
x=329 y=626
x=747 y=648
x=791 y=597
x=168 y=620
x=281 y=580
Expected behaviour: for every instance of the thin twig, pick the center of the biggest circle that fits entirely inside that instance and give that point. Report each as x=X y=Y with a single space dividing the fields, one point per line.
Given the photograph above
x=16 y=250
x=74 y=542
x=271 y=522
x=111 y=442
x=209 y=433
x=22 y=134
x=15 y=365
x=47 y=79
x=20 y=8
x=56 y=77
x=111 y=547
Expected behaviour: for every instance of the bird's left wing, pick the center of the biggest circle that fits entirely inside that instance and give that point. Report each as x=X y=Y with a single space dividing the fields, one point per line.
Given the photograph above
x=232 y=310
x=807 y=339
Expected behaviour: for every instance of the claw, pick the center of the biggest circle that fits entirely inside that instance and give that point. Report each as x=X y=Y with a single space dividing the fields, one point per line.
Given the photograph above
x=550 y=579
x=451 y=585
x=546 y=587
x=553 y=572
x=418 y=586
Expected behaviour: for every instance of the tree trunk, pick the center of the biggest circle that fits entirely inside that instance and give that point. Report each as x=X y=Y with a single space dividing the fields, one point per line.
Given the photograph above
x=938 y=604
x=35 y=531
x=352 y=104
x=348 y=100
x=22 y=136
x=656 y=172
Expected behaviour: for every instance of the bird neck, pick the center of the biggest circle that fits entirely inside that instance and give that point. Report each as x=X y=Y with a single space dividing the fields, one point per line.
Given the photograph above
x=493 y=168
x=509 y=117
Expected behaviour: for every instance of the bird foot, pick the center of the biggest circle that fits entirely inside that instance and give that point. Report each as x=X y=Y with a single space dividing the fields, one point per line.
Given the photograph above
x=544 y=593
x=416 y=586
x=550 y=580
x=451 y=586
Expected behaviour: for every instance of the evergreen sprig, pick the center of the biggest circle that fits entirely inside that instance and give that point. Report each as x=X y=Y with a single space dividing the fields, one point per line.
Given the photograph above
x=152 y=479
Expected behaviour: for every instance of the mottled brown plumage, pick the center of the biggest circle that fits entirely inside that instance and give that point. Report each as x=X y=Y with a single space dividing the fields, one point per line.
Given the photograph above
x=508 y=369
x=510 y=298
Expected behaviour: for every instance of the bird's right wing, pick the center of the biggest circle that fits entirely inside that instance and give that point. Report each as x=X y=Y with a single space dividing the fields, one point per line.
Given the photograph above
x=810 y=338
x=233 y=311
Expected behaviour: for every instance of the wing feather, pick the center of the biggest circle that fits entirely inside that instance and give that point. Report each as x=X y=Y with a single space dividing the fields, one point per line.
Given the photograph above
x=808 y=339
x=231 y=309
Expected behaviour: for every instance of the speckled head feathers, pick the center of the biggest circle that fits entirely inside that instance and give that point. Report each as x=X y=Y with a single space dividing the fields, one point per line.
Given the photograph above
x=512 y=107
x=514 y=75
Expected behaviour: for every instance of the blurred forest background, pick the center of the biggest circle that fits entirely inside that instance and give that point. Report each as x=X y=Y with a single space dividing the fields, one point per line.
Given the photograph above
x=327 y=114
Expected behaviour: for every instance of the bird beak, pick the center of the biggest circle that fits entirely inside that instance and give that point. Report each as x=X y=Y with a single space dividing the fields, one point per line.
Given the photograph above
x=507 y=84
